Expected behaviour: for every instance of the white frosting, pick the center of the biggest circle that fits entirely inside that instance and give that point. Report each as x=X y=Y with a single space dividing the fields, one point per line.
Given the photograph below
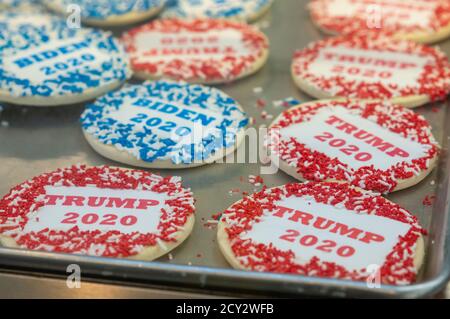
x=407 y=13
x=326 y=127
x=184 y=125
x=369 y=66
x=49 y=60
x=126 y=217
x=37 y=20
x=155 y=46
x=367 y=250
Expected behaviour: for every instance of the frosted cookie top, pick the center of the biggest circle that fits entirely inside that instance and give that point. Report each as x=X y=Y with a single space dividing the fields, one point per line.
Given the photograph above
x=372 y=145
x=46 y=58
x=21 y=5
x=204 y=50
x=104 y=9
x=372 y=68
x=322 y=229
x=227 y=9
x=387 y=16
x=99 y=211
x=166 y=121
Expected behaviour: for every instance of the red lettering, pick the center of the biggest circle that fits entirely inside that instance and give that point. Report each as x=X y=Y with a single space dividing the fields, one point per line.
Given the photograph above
x=361 y=134
x=333 y=119
x=379 y=143
x=329 y=56
x=368 y=237
x=347 y=128
x=74 y=200
x=304 y=217
x=121 y=203
x=145 y=203
x=344 y=230
x=96 y=201
x=322 y=223
x=51 y=199
x=398 y=152
x=281 y=211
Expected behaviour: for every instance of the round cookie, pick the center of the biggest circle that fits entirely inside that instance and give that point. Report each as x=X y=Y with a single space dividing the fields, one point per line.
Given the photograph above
x=197 y=51
x=243 y=10
x=46 y=63
x=327 y=230
x=376 y=146
x=98 y=211
x=372 y=67
x=164 y=124
x=105 y=13
x=423 y=21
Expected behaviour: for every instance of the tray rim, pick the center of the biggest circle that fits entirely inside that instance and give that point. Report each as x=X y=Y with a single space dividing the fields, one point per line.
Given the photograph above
x=262 y=283
x=217 y=279
x=125 y=271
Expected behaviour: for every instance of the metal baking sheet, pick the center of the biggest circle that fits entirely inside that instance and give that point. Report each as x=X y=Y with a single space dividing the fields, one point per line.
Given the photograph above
x=36 y=140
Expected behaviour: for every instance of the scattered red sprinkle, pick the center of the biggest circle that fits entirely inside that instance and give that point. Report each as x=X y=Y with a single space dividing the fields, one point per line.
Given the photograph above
x=261 y=103
x=255 y=180
x=428 y=200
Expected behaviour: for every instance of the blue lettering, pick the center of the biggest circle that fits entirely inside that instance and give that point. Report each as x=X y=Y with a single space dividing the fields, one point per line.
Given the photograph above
x=185 y=114
x=49 y=54
x=24 y=62
x=204 y=119
x=169 y=109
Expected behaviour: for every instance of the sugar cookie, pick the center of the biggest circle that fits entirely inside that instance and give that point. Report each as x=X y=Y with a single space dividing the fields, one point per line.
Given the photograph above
x=372 y=145
x=46 y=63
x=424 y=21
x=243 y=10
x=324 y=230
x=109 y=12
x=363 y=67
x=198 y=51
x=164 y=124
x=98 y=211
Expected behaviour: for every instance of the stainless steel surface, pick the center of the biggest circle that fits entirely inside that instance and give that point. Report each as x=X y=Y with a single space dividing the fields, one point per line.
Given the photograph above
x=21 y=286
x=42 y=139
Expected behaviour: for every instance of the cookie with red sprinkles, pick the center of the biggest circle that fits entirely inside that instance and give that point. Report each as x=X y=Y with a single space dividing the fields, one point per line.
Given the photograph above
x=328 y=229
x=98 y=211
x=372 y=67
x=377 y=146
x=198 y=51
x=418 y=20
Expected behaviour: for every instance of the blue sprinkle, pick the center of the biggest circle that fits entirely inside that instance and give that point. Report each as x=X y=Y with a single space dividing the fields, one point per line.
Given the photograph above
x=76 y=77
x=103 y=9
x=151 y=114
x=214 y=8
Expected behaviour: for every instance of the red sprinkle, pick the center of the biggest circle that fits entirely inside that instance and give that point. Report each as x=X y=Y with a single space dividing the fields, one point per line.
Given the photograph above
x=23 y=199
x=428 y=200
x=434 y=81
x=241 y=216
x=316 y=166
x=227 y=66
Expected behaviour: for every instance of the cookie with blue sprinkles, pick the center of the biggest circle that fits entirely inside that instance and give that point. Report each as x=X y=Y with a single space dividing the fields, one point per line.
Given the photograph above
x=243 y=10
x=164 y=124
x=108 y=12
x=46 y=63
